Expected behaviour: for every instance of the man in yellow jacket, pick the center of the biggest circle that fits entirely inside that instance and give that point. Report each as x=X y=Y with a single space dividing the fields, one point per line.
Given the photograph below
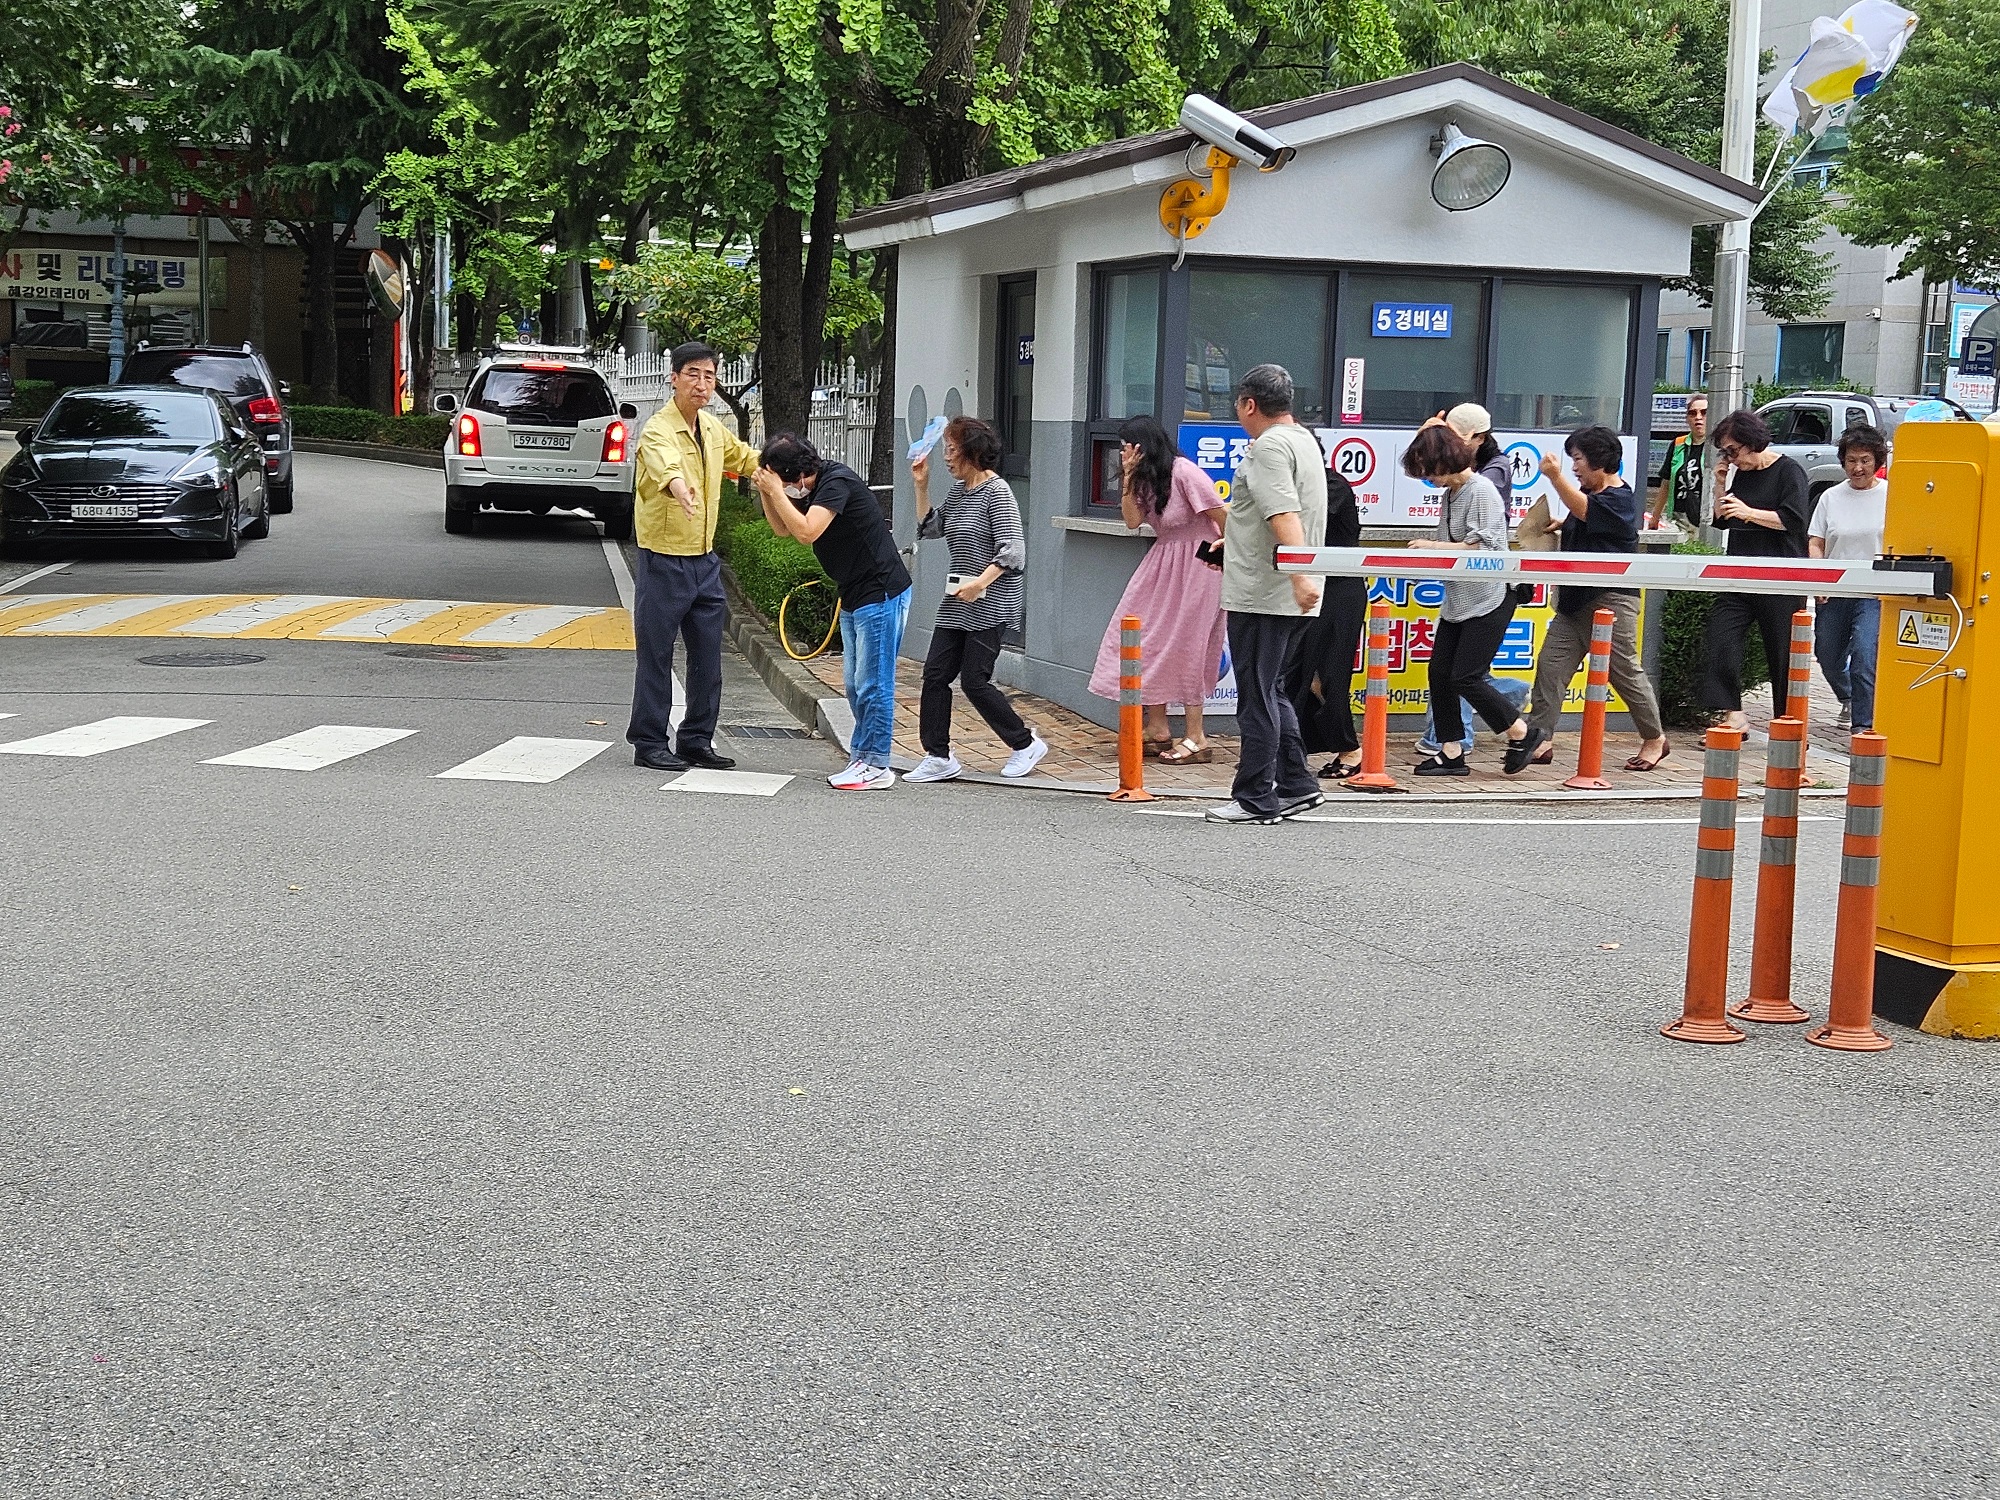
x=683 y=454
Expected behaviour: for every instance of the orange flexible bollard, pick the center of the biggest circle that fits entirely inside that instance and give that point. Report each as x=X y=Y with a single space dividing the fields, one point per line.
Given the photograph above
x=1850 y=1022
x=1589 y=775
x=1770 y=998
x=1131 y=717
x=1798 y=681
x=1374 y=773
x=1702 y=1018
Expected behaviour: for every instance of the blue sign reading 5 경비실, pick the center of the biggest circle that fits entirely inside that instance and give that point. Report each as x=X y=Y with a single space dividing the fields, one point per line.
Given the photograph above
x=1411 y=320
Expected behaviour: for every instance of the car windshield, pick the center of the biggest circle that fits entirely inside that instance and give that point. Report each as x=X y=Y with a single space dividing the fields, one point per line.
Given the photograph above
x=149 y=414
x=231 y=374
x=556 y=398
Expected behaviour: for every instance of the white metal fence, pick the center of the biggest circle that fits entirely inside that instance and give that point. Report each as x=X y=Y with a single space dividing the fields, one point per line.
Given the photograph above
x=842 y=425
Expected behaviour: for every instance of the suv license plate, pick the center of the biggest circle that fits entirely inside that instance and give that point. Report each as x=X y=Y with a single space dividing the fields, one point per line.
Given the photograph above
x=104 y=512
x=542 y=440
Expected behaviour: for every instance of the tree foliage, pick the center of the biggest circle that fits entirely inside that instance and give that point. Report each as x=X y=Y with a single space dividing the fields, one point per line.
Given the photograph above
x=1923 y=160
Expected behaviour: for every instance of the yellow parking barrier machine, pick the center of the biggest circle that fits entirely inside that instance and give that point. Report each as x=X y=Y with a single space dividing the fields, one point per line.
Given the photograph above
x=1937 y=700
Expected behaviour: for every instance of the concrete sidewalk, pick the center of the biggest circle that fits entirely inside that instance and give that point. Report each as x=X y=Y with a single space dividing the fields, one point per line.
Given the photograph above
x=1083 y=757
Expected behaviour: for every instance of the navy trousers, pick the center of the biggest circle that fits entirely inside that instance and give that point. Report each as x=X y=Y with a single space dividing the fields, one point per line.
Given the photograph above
x=676 y=597
x=1267 y=651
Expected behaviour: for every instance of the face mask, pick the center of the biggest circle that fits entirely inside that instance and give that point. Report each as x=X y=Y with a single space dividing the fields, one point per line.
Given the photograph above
x=795 y=492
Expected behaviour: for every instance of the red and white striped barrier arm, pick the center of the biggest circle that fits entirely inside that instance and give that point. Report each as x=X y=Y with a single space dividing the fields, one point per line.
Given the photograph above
x=1915 y=577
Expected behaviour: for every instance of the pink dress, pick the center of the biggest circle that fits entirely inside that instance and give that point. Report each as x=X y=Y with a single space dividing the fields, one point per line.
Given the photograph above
x=1178 y=597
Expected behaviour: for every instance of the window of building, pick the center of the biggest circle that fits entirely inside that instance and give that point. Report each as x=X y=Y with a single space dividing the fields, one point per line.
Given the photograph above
x=1697 y=365
x=1128 y=379
x=1015 y=376
x=1810 y=353
x=1660 y=356
x=1560 y=359
x=1413 y=370
x=1237 y=319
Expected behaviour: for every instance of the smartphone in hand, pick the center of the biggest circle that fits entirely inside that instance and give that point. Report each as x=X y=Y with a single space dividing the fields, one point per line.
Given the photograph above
x=1210 y=553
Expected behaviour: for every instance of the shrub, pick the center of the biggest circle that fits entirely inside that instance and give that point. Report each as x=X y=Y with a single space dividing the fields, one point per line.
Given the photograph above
x=1683 y=624
x=32 y=398
x=340 y=424
x=417 y=429
x=768 y=567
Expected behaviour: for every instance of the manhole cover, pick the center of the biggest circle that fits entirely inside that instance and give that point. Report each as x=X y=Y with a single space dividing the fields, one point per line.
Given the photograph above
x=448 y=653
x=201 y=659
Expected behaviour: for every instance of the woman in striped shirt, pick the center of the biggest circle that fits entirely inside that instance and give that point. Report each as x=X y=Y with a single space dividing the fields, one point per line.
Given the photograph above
x=980 y=522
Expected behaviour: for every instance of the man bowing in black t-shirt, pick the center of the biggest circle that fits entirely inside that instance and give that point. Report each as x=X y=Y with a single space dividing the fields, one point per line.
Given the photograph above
x=827 y=506
x=1602 y=516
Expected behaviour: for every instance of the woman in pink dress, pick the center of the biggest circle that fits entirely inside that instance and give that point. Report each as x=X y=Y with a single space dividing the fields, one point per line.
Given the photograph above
x=1175 y=593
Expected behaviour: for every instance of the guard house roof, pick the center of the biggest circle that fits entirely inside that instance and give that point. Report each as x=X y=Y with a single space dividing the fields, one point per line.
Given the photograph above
x=1478 y=100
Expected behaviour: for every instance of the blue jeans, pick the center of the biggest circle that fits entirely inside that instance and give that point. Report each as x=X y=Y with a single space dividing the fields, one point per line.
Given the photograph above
x=1512 y=688
x=871 y=638
x=1847 y=636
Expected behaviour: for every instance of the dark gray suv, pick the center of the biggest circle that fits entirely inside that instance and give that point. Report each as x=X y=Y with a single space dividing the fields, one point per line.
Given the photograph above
x=240 y=375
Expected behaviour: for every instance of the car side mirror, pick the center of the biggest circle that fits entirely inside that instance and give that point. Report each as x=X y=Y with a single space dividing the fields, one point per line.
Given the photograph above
x=627 y=410
x=284 y=390
x=444 y=402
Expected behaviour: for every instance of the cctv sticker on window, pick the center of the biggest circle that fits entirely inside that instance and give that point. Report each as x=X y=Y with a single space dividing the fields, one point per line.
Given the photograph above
x=1927 y=632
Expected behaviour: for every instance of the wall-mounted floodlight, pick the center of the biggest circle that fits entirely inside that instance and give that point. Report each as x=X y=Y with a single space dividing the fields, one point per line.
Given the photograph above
x=1188 y=205
x=1469 y=172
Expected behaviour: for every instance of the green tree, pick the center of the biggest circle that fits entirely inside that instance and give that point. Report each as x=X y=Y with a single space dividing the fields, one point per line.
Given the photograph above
x=1923 y=160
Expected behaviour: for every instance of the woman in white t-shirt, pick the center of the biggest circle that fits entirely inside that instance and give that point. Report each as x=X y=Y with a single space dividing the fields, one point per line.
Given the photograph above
x=1848 y=524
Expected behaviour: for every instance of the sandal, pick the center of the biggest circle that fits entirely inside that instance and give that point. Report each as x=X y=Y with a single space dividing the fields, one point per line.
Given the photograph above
x=1155 y=749
x=1444 y=765
x=1339 y=770
x=1640 y=763
x=1188 y=754
x=1521 y=753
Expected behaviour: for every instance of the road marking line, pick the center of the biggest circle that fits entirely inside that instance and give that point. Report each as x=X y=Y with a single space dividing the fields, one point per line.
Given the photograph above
x=105 y=613
x=313 y=749
x=28 y=578
x=117 y=733
x=240 y=617
x=40 y=606
x=1196 y=812
x=621 y=575
x=384 y=622
x=734 y=783
x=527 y=758
x=521 y=626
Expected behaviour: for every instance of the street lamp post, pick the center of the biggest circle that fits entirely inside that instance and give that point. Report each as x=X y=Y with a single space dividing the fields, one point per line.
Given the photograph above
x=117 y=350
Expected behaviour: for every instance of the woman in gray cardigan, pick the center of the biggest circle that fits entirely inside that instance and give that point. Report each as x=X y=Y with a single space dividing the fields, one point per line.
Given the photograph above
x=1476 y=612
x=980 y=522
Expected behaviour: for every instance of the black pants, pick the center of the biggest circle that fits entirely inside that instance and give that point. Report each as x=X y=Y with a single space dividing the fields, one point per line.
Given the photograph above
x=1326 y=717
x=1729 y=631
x=676 y=598
x=1267 y=653
x=967 y=657
x=1461 y=658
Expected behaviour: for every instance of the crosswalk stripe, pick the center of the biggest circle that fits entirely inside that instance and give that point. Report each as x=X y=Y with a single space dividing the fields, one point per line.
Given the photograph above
x=312 y=749
x=116 y=733
x=734 y=783
x=106 y=612
x=382 y=624
x=28 y=607
x=524 y=625
x=527 y=757
x=248 y=616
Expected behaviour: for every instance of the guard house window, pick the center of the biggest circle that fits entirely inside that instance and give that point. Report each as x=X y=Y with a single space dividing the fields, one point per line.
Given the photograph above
x=1561 y=357
x=1014 y=382
x=1697 y=370
x=1810 y=353
x=1128 y=381
x=1662 y=339
x=1422 y=337
x=1237 y=319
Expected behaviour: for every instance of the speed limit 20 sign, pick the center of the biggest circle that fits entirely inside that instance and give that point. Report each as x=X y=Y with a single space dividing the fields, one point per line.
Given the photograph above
x=1353 y=459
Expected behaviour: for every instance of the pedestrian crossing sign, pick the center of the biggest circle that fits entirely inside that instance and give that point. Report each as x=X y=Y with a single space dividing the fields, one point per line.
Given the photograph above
x=1927 y=632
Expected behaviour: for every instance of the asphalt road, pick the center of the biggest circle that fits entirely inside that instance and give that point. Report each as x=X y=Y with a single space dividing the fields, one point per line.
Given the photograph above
x=369 y=1133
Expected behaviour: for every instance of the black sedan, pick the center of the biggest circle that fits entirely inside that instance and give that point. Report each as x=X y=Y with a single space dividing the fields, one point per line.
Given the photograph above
x=136 y=461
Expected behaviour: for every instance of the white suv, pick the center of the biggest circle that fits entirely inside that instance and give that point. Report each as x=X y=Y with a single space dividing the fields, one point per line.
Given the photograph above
x=539 y=432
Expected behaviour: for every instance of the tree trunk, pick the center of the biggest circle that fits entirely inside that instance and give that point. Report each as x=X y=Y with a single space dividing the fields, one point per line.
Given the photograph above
x=322 y=332
x=423 y=324
x=253 y=237
x=882 y=452
x=815 y=288
x=489 y=319
x=780 y=288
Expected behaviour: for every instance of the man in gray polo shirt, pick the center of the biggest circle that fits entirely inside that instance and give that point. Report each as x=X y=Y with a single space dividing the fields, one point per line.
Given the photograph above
x=1278 y=499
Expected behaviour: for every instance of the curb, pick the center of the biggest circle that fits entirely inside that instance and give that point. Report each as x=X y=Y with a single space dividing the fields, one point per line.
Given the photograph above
x=416 y=458
x=801 y=694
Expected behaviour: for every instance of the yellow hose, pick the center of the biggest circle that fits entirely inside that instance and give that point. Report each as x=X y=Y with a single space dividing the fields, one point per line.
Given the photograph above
x=784 y=638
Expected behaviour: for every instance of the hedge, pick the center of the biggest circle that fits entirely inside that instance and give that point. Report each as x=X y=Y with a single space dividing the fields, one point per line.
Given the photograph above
x=359 y=424
x=1684 y=623
x=32 y=398
x=768 y=567
x=417 y=429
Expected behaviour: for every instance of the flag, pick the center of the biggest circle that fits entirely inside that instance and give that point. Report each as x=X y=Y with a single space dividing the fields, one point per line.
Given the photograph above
x=1846 y=60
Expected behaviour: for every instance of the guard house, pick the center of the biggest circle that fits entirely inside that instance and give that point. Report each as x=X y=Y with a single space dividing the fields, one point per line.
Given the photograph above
x=1049 y=300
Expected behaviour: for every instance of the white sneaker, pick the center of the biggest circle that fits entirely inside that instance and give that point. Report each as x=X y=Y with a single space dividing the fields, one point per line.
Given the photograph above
x=1022 y=761
x=862 y=777
x=853 y=766
x=934 y=768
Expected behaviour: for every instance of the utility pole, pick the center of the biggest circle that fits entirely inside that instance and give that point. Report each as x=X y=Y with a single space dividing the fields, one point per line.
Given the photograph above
x=1732 y=253
x=117 y=297
x=201 y=279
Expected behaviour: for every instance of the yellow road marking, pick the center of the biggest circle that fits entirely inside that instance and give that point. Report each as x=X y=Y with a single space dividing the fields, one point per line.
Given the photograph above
x=610 y=630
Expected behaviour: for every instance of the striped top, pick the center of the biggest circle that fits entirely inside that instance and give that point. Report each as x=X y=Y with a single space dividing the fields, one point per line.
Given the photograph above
x=981 y=527
x=1475 y=513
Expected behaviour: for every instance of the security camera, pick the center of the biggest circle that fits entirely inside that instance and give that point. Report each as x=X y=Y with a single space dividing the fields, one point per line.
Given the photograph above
x=1230 y=132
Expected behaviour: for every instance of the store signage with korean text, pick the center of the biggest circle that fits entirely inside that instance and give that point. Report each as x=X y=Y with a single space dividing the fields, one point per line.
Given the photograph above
x=1411 y=320
x=58 y=275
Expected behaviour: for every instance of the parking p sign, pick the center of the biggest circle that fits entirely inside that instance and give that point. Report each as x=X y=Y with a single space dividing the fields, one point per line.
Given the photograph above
x=1976 y=355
